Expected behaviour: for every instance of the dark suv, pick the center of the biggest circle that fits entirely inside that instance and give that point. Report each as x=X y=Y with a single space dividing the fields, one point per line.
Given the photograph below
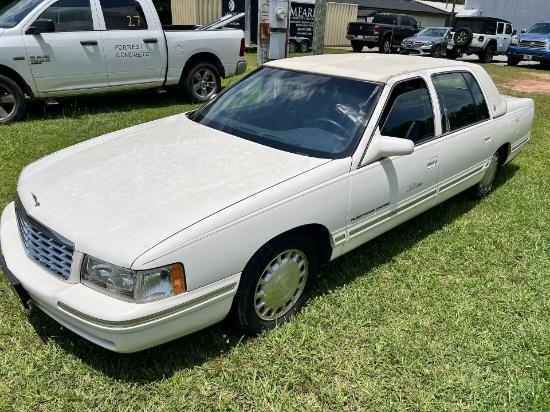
x=484 y=36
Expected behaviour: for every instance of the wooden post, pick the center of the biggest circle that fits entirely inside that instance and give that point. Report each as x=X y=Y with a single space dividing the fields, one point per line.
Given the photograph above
x=452 y=22
x=319 y=26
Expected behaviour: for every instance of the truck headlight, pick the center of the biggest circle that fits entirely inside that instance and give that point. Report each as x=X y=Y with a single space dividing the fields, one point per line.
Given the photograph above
x=134 y=286
x=515 y=40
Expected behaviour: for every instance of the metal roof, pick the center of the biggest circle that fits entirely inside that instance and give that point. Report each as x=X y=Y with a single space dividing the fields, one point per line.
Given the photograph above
x=405 y=6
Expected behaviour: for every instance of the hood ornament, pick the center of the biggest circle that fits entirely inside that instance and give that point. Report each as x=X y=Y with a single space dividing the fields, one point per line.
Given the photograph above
x=36 y=202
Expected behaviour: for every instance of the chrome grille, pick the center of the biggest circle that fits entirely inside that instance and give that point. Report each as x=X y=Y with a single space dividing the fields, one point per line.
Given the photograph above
x=533 y=44
x=44 y=246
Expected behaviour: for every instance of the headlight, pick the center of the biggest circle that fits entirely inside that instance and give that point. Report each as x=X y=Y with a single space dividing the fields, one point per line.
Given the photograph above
x=515 y=40
x=134 y=286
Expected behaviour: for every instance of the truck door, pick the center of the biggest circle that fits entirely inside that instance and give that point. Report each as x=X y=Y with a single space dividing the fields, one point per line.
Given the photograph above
x=133 y=42
x=71 y=57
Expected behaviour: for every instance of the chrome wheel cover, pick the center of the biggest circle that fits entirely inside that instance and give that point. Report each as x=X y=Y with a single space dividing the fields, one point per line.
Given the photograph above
x=204 y=83
x=281 y=284
x=488 y=179
x=387 y=46
x=7 y=103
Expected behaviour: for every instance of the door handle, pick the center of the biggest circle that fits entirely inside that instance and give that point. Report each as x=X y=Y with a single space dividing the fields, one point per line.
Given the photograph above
x=88 y=42
x=150 y=41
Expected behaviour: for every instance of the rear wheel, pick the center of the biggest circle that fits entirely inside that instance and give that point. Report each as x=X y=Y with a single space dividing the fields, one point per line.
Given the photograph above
x=486 y=56
x=485 y=186
x=201 y=82
x=12 y=101
x=513 y=61
x=357 y=46
x=385 y=46
x=275 y=284
x=304 y=46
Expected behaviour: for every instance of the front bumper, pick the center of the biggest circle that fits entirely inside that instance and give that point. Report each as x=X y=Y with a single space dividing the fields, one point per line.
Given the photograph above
x=108 y=322
x=521 y=53
x=366 y=39
x=417 y=50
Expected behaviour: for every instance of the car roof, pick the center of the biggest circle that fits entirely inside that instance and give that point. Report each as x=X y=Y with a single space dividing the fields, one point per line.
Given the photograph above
x=372 y=67
x=481 y=18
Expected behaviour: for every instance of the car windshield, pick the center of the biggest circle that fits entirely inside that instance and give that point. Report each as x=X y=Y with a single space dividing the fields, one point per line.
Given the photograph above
x=309 y=114
x=540 y=28
x=12 y=14
x=433 y=32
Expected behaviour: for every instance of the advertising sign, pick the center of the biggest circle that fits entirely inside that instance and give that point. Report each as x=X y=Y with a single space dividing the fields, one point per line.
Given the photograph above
x=302 y=20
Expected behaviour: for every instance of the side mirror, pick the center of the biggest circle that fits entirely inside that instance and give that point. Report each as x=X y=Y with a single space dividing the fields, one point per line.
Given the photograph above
x=514 y=32
x=41 y=26
x=386 y=146
x=523 y=31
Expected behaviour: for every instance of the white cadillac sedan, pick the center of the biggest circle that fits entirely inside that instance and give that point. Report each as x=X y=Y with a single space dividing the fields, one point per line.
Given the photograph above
x=150 y=233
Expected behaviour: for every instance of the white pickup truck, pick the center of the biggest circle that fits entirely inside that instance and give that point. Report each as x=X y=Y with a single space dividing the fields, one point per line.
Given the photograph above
x=53 y=48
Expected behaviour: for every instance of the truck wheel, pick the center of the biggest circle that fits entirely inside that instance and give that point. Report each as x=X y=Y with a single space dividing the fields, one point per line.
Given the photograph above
x=304 y=46
x=275 y=284
x=292 y=46
x=463 y=37
x=513 y=61
x=385 y=46
x=485 y=186
x=486 y=56
x=201 y=82
x=357 y=46
x=12 y=101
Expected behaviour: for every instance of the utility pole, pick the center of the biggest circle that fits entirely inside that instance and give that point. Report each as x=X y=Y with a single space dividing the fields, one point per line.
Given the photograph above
x=319 y=26
x=452 y=21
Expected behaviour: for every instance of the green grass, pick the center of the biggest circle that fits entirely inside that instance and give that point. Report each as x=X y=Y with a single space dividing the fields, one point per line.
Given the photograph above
x=450 y=311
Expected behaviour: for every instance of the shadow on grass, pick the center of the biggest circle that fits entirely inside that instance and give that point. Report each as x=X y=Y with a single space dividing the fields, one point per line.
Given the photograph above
x=163 y=361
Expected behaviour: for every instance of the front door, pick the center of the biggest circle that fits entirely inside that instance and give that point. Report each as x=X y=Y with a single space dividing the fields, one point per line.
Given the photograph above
x=504 y=38
x=71 y=58
x=389 y=191
x=133 y=42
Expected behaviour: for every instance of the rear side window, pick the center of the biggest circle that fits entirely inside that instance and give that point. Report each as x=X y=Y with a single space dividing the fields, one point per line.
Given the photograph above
x=385 y=19
x=409 y=113
x=70 y=15
x=123 y=15
x=461 y=100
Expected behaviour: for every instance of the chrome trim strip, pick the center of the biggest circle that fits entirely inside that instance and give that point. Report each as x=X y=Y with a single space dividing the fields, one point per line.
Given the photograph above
x=521 y=143
x=145 y=319
x=461 y=178
x=374 y=222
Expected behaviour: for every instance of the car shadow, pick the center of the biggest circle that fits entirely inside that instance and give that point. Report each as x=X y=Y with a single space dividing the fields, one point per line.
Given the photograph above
x=216 y=341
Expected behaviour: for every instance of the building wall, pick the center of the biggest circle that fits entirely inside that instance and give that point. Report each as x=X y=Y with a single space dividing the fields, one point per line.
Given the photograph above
x=522 y=13
x=430 y=20
x=338 y=17
x=195 y=11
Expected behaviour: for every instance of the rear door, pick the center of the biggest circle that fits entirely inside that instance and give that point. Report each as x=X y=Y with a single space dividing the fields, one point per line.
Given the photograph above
x=134 y=43
x=71 y=58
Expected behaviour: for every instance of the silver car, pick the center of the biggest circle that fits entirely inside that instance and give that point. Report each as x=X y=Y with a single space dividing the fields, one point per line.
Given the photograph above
x=431 y=41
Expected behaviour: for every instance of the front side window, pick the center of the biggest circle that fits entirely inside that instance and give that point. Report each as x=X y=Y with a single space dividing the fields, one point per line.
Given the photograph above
x=123 y=15
x=309 y=114
x=461 y=101
x=70 y=15
x=13 y=13
x=508 y=28
x=409 y=112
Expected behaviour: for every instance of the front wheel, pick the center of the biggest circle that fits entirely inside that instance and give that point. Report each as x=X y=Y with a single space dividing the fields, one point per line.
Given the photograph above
x=201 y=82
x=513 y=61
x=485 y=186
x=385 y=46
x=304 y=46
x=436 y=52
x=12 y=101
x=275 y=284
x=292 y=46
x=357 y=46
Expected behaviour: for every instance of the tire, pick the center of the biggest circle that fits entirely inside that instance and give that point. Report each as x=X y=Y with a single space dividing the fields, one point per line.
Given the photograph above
x=385 y=45
x=357 y=46
x=201 y=82
x=304 y=46
x=292 y=46
x=512 y=61
x=437 y=52
x=12 y=101
x=485 y=186
x=545 y=65
x=463 y=37
x=486 y=56
x=259 y=305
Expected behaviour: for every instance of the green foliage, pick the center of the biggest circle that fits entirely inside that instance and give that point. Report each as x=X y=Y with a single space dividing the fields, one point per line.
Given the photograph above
x=450 y=311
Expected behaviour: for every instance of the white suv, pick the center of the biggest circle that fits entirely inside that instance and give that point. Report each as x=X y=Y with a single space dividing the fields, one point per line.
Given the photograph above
x=484 y=36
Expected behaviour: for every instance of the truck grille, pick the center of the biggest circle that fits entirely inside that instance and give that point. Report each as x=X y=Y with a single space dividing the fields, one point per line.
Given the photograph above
x=533 y=44
x=45 y=247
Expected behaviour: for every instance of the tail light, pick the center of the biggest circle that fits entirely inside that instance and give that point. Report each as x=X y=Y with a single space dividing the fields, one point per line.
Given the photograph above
x=376 y=29
x=243 y=48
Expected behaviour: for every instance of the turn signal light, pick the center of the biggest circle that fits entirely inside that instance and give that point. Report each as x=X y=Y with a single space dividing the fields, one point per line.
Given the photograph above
x=178 y=278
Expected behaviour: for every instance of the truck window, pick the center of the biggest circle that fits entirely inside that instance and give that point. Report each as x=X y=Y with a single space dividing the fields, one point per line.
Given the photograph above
x=385 y=19
x=500 y=28
x=461 y=101
x=123 y=15
x=70 y=15
x=508 y=28
x=409 y=112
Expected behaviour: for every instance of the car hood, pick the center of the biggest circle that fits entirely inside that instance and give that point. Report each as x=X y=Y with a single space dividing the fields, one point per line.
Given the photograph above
x=534 y=36
x=118 y=195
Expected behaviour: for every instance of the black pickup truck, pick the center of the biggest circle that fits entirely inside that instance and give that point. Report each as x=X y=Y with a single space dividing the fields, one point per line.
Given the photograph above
x=386 y=31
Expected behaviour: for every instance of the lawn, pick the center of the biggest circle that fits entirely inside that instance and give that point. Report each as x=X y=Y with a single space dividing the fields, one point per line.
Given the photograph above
x=450 y=311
